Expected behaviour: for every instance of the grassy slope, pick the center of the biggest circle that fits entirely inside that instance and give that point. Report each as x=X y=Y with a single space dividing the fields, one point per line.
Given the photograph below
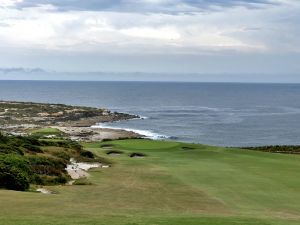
x=206 y=185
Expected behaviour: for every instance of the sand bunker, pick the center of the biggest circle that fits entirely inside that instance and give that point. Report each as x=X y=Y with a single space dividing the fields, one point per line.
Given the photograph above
x=187 y=148
x=114 y=153
x=137 y=155
x=107 y=146
x=44 y=191
x=78 y=170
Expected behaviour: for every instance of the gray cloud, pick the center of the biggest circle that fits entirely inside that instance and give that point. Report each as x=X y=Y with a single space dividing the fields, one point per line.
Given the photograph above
x=163 y=6
x=164 y=36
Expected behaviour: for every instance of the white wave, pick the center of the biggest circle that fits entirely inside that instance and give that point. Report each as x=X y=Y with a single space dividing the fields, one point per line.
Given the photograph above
x=140 y=118
x=146 y=133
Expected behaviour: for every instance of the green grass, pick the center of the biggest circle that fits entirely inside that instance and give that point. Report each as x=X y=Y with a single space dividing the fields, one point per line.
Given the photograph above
x=47 y=131
x=172 y=185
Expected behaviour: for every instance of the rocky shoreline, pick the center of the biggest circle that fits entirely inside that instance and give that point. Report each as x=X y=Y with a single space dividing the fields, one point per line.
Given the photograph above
x=74 y=121
x=96 y=134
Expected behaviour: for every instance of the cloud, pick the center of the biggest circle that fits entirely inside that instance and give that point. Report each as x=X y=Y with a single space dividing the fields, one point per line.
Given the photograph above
x=122 y=32
x=9 y=3
x=90 y=30
x=235 y=29
x=162 y=6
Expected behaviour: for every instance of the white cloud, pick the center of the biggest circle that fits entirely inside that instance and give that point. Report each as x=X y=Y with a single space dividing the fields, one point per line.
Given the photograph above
x=7 y=3
x=273 y=30
x=163 y=33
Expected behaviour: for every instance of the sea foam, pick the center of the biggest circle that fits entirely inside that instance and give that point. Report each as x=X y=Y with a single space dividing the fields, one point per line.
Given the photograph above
x=146 y=133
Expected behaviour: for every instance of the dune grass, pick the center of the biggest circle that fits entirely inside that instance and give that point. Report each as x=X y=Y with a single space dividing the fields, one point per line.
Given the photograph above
x=175 y=184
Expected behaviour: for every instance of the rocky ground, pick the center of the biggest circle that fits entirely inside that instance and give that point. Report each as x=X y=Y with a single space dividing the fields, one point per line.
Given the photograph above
x=75 y=121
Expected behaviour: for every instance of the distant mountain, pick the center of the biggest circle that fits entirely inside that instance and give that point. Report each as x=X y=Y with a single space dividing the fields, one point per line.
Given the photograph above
x=21 y=70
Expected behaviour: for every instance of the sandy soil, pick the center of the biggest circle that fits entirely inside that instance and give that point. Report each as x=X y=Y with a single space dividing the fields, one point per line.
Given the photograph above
x=44 y=191
x=78 y=170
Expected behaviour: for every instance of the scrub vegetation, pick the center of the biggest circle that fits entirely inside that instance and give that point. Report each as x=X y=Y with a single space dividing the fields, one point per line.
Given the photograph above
x=32 y=160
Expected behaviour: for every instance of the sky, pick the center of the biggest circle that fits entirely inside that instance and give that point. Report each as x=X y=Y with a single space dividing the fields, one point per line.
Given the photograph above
x=258 y=39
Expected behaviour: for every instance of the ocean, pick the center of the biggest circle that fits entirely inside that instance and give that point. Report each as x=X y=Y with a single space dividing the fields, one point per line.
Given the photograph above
x=225 y=114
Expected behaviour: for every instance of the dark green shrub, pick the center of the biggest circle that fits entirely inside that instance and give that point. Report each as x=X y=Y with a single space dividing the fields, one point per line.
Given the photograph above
x=37 y=179
x=74 y=145
x=32 y=148
x=13 y=179
x=61 y=179
x=87 y=154
x=9 y=149
x=284 y=149
x=14 y=172
x=107 y=139
x=31 y=140
x=64 y=144
x=3 y=139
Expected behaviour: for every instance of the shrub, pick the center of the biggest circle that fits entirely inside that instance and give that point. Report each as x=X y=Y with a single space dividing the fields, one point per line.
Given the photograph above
x=106 y=139
x=82 y=181
x=14 y=172
x=47 y=170
x=9 y=149
x=64 y=144
x=3 y=139
x=62 y=154
x=47 y=161
x=87 y=154
x=32 y=148
x=51 y=180
x=31 y=140
x=19 y=168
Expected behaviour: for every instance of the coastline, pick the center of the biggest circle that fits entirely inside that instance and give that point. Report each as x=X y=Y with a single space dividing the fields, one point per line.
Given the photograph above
x=96 y=134
x=21 y=118
x=143 y=133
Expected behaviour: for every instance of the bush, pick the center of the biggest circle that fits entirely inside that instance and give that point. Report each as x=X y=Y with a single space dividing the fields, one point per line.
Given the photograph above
x=51 y=180
x=14 y=172
x=82 y=181
x=19 y=166
x=47 y=161
x=32 y=148
x=87 y=154
x=3 y=139
x=47 y=170
x=8 y=149
x=62 y=154
x=64 y=144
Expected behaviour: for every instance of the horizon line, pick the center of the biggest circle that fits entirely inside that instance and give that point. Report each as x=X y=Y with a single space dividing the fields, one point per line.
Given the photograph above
x=157 y=81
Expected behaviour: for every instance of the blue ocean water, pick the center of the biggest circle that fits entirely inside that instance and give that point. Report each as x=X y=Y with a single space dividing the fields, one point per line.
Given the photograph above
x=228 y=114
